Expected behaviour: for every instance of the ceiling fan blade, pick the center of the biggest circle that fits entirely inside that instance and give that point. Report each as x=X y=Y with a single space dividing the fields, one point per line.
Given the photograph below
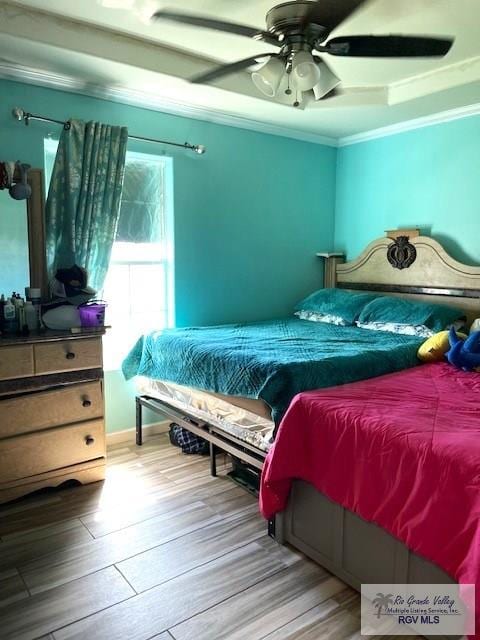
x=388 y=46
x=218 y=25
x=331 y=13
x=227 y=69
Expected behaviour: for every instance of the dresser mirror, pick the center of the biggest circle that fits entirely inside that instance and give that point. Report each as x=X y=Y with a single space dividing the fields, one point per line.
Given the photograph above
x=22 y=239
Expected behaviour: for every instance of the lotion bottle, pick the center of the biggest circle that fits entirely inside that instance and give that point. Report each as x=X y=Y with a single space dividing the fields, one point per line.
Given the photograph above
x=31 y=316
x=10 y=317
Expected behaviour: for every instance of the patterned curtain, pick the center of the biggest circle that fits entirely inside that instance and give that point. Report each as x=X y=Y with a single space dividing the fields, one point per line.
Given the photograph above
x=83 y=203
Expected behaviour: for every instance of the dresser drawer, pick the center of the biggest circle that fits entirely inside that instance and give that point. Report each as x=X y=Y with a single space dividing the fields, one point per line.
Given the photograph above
x=16 y=362
x=68 y=355
x=36 y=411
x=35 y=453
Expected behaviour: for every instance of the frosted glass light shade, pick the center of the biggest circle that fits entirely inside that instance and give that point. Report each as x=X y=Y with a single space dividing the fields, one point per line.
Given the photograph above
x=326 y=83
x=305 y=71
x=267 y=79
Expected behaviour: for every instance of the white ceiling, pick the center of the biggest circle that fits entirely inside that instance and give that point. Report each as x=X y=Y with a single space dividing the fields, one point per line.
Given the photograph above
x=117 y=48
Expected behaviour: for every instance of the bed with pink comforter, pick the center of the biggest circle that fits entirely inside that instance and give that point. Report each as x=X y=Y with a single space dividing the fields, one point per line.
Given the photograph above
x=402 y=451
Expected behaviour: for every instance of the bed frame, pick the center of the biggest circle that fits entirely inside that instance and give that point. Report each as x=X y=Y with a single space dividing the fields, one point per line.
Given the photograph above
x=411 y=266
x=405 y=264
x=218 y=440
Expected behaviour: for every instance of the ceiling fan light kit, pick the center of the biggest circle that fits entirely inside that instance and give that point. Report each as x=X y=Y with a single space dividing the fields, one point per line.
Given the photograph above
x=298 y=73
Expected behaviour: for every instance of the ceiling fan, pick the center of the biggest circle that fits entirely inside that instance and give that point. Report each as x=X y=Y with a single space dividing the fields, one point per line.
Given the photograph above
x=296 y=73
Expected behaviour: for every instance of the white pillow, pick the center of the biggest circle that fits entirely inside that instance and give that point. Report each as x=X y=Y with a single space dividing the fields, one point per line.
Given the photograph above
x=419 y=330
x=314 y=316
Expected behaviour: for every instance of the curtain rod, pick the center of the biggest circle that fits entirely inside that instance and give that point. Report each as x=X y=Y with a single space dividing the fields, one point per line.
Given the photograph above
x=20 y=114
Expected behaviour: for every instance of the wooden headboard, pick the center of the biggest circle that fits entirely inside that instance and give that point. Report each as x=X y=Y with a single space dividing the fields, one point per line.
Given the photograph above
x=411 y=267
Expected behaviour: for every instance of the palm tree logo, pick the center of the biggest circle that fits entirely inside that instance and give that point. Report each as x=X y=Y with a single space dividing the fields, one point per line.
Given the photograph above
x=382 y=602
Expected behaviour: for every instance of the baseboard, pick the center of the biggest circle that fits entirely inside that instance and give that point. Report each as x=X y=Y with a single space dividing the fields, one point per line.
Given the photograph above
x=128 y=435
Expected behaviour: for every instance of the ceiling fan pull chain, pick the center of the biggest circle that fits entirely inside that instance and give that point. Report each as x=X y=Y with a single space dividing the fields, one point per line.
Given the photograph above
x=288 y=91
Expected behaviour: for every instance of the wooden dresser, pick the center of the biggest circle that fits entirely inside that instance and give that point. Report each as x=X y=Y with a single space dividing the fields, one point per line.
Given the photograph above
x=51 y=412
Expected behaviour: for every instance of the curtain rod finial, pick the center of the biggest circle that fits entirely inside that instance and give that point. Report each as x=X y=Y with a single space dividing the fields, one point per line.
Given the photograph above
x=18 y=113
x=197 y=148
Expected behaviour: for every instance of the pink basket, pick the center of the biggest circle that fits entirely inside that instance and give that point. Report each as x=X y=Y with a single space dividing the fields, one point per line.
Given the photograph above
x=92 y=313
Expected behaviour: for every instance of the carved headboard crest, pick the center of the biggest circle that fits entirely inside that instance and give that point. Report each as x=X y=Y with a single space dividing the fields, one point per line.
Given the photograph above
x=401 y=254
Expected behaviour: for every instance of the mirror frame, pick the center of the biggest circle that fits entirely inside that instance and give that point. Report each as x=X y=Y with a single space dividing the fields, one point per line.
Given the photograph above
x=36 y=232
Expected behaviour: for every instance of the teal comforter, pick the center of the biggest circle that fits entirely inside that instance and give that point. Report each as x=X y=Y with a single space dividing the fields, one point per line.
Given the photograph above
x=271 y=360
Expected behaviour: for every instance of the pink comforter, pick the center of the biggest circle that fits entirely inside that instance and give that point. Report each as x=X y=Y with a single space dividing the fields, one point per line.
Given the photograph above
x=401 y=450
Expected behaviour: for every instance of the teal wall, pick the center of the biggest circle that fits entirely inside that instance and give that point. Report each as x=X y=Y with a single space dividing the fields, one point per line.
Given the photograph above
x=427 y=178
x=249 y=214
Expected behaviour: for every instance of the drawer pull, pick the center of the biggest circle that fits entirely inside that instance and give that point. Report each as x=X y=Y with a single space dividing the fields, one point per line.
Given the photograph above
x=86 y=403
x=70 y=355
x=89 y=440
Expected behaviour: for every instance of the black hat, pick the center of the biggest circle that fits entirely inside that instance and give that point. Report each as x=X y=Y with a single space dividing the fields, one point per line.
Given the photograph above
x=72 y=284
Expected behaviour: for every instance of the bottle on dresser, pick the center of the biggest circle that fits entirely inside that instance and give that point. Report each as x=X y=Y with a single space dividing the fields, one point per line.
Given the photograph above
x=13 y=311
x=19 y=303
x=21 y=316
x=31 y=316
x=9 y=316
x=33 y=296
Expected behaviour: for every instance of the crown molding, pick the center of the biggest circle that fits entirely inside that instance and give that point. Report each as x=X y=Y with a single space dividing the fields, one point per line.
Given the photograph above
x=410 y=125
x=18 y=73
x=462 y=72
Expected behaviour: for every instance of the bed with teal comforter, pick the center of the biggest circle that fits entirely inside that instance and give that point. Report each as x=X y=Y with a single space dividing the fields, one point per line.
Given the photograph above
x=271 y=360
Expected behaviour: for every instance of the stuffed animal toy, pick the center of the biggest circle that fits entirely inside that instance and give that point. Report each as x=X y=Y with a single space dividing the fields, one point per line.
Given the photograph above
x=464 y=354
x=435 y=347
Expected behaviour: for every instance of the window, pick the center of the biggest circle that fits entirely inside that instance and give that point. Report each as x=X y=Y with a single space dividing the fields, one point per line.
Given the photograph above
x=139 y=284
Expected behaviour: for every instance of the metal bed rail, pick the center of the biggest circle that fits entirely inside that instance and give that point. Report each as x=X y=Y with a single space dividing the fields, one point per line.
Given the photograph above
x=217 y=440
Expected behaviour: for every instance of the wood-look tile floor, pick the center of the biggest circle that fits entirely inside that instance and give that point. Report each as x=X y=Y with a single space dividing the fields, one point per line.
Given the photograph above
x=159 y=550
